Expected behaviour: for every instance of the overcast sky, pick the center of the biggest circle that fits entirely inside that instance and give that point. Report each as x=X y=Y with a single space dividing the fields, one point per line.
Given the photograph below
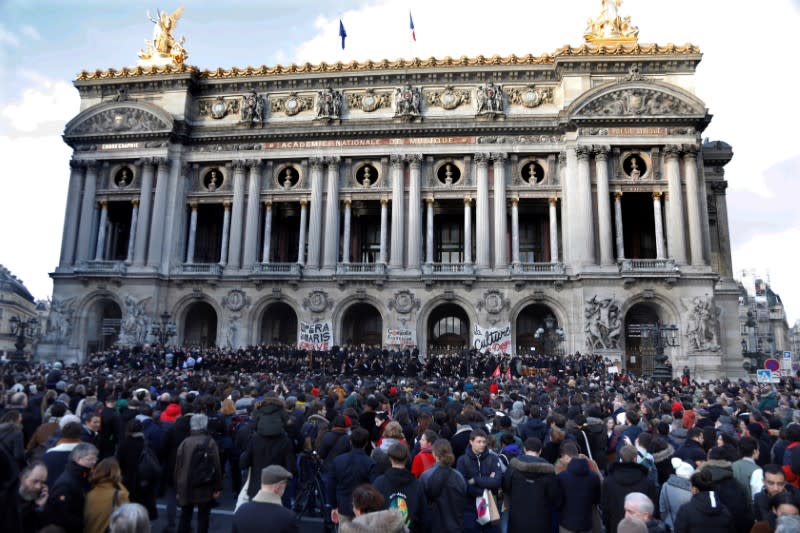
x=748 y=79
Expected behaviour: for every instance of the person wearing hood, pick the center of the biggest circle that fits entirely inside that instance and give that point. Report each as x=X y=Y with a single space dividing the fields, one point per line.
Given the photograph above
x=445 y=489
x=728 y=490
x=533 y=427
x=533 y=493
x=268 y=449
x=582 y=489
x=11 y=437
x=191 y=495
x=130 y=449
x=370 y=515
x=704 y=512
x=676 y=491
x=481 y=470
x=517 y=415
x=402 y=490
x=692 y=450
x=623 y=478
x=66 y=502
x=594 y=430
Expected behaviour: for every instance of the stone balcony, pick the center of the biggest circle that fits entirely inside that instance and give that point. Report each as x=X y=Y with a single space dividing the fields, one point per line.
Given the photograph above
x=432 y=272
x=201 y=269
x=102 y=267
x=291 y=271
x=646 y=266
x=538 y=269
x=375 y=272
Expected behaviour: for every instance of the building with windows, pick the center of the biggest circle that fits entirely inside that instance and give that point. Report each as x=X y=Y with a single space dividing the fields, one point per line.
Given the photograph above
x=16 y=304
x=762 y=318
x=440 y=203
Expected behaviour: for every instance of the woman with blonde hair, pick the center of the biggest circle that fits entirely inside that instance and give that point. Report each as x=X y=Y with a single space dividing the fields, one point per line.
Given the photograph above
x=392 y=434
x=107 y=494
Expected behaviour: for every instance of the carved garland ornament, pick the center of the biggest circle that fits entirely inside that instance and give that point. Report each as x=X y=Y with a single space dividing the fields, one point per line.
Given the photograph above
x=317 y=302
x=404 y=302
x=236 y=300
x=530 y=96
x=291 y=105
x=218 y=107
x=368 y=101
x=447 y=98
x=493 y=301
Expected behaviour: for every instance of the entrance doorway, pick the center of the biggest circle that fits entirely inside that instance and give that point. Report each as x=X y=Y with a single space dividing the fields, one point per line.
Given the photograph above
x=279 y=325
x=362 y=324
x=448 y=329
x=639 y=347
x=200 y=326
x=533 y=318
x=103 y=325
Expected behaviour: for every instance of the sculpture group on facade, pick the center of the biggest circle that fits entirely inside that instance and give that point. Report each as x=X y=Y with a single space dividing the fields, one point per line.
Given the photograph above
x=328 y=104
x=489 y=99
x=59 y=321
x=603 y=325
x=253 y=106
x=702 y=325
x=164 y=45
x=136 y=322
x=407 y=101
x=610 y=26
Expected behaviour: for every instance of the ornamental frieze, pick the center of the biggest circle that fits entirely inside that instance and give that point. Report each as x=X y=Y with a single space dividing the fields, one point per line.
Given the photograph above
x=291 y=105
x=520 y=139
x=447 y=98
x=530 y=96
x=368 y=101
x=218 y=107
x=121 y=120
x=637 y=102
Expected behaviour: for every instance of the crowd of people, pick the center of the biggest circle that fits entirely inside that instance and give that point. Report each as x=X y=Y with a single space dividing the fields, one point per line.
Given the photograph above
x=396 y=442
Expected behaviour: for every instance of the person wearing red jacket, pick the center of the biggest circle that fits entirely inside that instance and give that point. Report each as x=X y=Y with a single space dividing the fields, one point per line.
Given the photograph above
x=424 y=459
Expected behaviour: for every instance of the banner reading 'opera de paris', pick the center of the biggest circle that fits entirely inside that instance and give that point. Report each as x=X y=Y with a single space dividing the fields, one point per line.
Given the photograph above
x=316 y=335
x=496 y=339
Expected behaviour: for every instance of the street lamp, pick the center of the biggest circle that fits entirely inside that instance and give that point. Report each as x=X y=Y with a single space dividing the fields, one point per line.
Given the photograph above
x=164 y=329
x=662 y=335
x=550 y=336
x=22 y=329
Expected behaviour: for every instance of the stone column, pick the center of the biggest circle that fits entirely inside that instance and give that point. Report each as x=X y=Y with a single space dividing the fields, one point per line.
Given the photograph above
x=331 y=246
x=237 y=216
x=132 y=232
x=157 y=225
x=659 y=225
x=515 y=230
x=603 y=206
x=467 y=230
x=176 y=203
x=267 y=231
x=145 y=202
x=253 y=215
x=429 y=231
x=346 y=236
x=414 y=212
x=553 y=230
x=73 y=211
x=500 y=224
x=192 y=233
x=583 y=227
x=315 y=224
x=618 y=222
x=675 y=226
x=720 y=199
x=87 y=213
x=101 y=231
x=301 y=241
x=226 y=233
x=693 y=208
x=482 y=237
x=384 y=229
x=565 y=207
x=396 y=258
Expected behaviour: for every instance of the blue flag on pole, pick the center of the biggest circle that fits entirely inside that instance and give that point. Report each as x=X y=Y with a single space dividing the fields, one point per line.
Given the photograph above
x=411 y=23
x=342 y=33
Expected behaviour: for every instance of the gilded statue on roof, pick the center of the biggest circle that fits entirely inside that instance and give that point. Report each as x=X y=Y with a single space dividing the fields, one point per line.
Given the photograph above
x=610 y=27
x=164 y=48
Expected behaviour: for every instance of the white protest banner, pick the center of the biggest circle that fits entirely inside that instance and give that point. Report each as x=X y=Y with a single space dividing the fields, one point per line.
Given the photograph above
x=316 y=335
x=404 y=337
x=496 y=339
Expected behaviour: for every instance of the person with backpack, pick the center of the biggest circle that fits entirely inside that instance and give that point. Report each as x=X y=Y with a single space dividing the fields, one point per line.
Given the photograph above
x=264 y=450
x=532 y=491
x=402 y=490
x=198 y=475
x=140 y=482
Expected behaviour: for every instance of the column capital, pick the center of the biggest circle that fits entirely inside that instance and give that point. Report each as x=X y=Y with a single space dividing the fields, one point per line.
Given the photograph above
x=316 y=162
x=672 y=151
x=617 y=195
x=396 y=160
x=193 y=205
x=268 y=203
x=384 y=202
x=347 y=202
x=239 y=164
x=160 y=160
x=498 y=157
x=430 y=200
x=515 y=200
x=481 y=158
x=414 y=160
x=102 y=203
x=553 y=201
x=254 y=164
x=76 y=164
x=657 y=195
x=146 y=161
x=601 y=152
x=665 y=195
x=303 y=203
x=135 y=202
x=583 y=152
x=562 y=158
x=467 y=200
x=332 y=160
x=226 y=205
x=689 y=151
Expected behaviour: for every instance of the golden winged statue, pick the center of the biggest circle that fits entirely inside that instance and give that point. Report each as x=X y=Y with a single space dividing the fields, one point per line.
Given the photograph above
x=609 y=27
x=164 y=45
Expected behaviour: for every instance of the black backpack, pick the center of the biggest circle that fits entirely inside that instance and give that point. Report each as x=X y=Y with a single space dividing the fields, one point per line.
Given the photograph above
x=148 y=471
x=202 y=468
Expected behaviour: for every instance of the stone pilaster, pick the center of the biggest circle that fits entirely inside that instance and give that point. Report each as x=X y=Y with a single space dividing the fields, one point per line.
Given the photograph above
x=331 y=245
x=157 y=226
x=132 y=231
x=346 y=237
x=429 y=230
x=301 y=241
x=101 y=231
x=226 y=233
x=659 y=225
x=676 y=232
x=515 y=230
x=483 y=236
x=500 y=216
x=178 y=176
x=384 y=230
x=620 y=237
x=582 y=226
x=253 y=215
x=603 y=205
x=267 y=231
x=192 y=233
x=72 y=214
x=85 y=241
x=397 y=166
x=237 y=216
x=565 y=206
x=414 y=248
x=145 y=203
x=315 y=222
x=693 y=209
x=553 y=206
x=467 y=230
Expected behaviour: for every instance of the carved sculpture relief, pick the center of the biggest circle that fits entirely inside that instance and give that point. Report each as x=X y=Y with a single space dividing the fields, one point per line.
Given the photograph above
x=232 y=332
x=135 y=322
x=236 y=300
x=407 y=102
x=218 y=107
x=637 y=101
x=404 y=302
x=317 y=302
x=603 y=323
x=368 y=101
x=253 y=107
x=291 y=105
x=328 y=104
x=489 y=100
x=126 y=119
x=530 y=96
x=447 y=98
x=493 y=301
x=59 y=321
x=702 y=327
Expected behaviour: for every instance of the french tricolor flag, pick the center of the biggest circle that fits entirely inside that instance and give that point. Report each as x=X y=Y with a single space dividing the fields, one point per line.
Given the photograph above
x=411 y=24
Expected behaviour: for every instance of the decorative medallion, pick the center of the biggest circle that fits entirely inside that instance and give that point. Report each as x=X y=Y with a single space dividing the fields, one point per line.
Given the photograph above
x=493 y=301
x=448 y=98
x=236 y=300
x=123 y=177
x=404 y=302
x=530 y=96
x=219 y=107
x=317 y=301
x=368 y=101
x=291 y=105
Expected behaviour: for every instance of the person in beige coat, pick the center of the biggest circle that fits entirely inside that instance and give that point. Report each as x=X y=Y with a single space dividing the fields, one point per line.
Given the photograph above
x=107 y=493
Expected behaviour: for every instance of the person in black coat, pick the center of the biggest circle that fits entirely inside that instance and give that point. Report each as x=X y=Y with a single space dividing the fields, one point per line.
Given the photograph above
x=624 y=478
x=532 y=491
x=692 y=450
x=402 y=490
x=263 y=451
x=265 y=509
x=728 y=490
x=445 y=490
x=174 y=434
x=481 y=470
x=130 y=449
x=65 y=504
x=348 y=471
x=581 y=487
x=704 y=512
